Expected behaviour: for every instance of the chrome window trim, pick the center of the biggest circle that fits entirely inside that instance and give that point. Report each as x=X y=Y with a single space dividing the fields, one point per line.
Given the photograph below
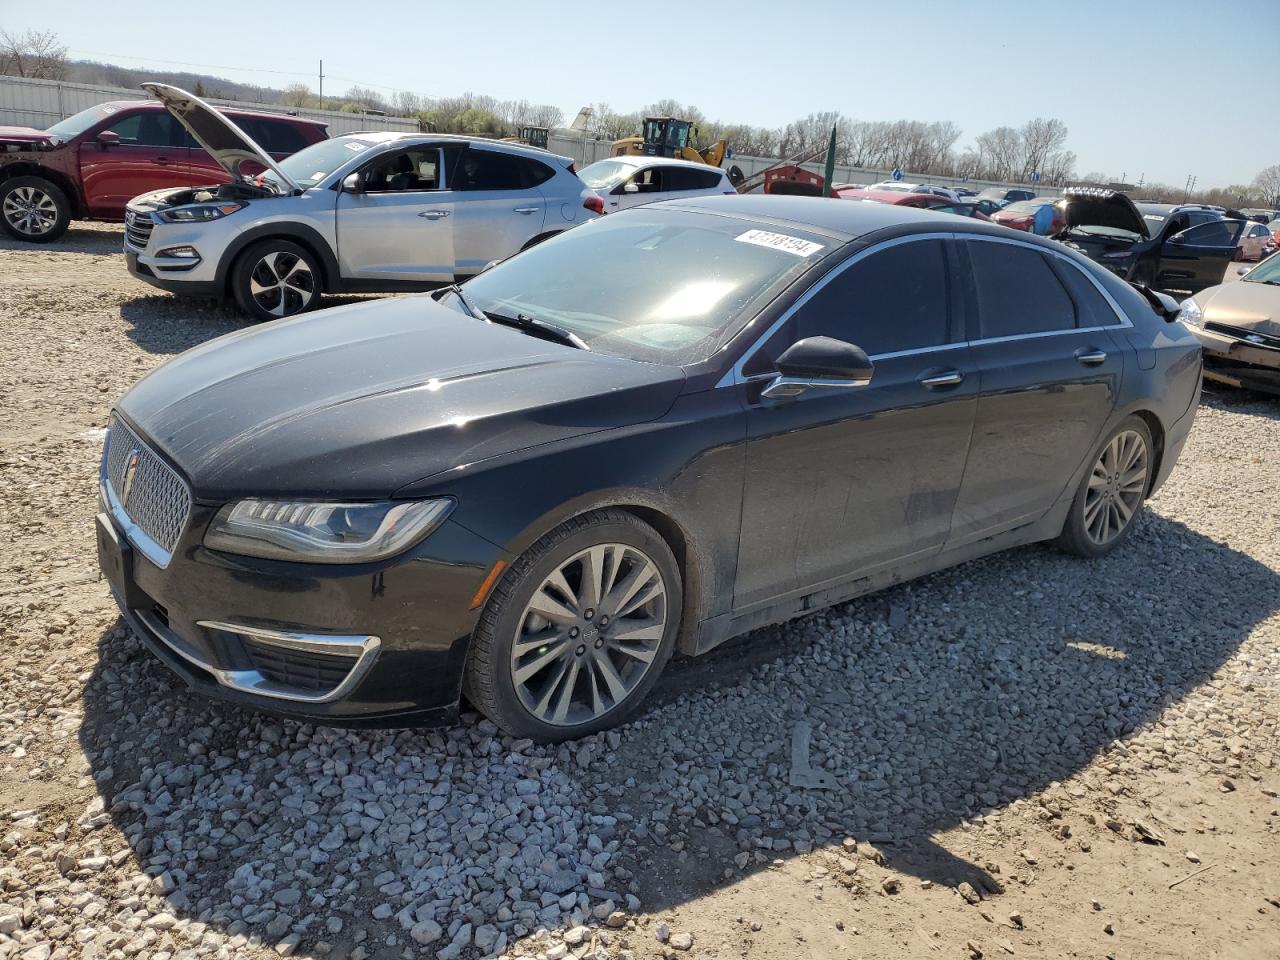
x=735 y=376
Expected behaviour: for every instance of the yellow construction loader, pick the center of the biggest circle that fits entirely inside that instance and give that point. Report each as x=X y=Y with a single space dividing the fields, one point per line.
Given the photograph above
x=670 y=137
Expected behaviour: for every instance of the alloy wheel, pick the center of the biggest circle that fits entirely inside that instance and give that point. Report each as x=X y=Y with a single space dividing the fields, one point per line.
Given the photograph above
x=282 y=284
x=589 y=634
x=1116 y=487
x=30 y=211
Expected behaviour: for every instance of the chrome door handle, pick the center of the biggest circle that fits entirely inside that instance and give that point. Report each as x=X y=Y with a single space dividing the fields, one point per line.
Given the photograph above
x=1091 y=358
x=948 y=378
x=434 y=214
x=526 y=209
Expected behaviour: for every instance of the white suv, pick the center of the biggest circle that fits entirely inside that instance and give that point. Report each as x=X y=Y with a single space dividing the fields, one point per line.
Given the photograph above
x=624 y=182
x=362 y=212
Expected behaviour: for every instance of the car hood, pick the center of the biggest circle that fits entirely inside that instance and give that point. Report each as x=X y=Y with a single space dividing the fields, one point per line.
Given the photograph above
x=358 y=401
x=1106 y=208
x=25 y=136
x=223 y=140
x=1244 y=304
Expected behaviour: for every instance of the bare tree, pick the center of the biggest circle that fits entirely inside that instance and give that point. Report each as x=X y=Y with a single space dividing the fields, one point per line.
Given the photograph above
x=608 y=124
x=545 y=115
x=407 y=104
x=37 y=55
x=1267 y=183
x=297 y=95
x=365 y=97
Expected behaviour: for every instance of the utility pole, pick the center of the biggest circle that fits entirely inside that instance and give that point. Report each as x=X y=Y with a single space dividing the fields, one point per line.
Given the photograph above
x=321 y=84
x=1191 y=185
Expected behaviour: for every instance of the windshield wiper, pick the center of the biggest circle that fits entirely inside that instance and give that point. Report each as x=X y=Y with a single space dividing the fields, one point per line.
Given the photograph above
x=467 y=304
x=537 y=327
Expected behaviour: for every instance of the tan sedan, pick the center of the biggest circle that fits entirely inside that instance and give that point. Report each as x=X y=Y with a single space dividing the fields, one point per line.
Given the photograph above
x=1238 y=325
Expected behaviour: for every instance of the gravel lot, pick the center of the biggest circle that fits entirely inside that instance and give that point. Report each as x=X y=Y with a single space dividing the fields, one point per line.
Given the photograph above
x=1023 y=755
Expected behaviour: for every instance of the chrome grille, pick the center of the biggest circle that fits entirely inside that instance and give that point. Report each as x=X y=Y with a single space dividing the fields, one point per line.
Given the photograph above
x=137 y=228
x=152 y=496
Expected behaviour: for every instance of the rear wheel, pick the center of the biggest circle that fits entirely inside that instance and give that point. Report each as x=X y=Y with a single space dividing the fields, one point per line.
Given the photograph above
x=577 y=630
x=274 y=279
x=33 y=209
x=1112 y=493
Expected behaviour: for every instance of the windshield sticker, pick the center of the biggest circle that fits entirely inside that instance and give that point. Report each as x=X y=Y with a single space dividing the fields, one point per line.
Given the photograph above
x=1152 y=216
x=780 y=241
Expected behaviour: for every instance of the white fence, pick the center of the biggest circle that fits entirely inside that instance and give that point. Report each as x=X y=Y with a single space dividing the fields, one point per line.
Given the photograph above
x=41 y=103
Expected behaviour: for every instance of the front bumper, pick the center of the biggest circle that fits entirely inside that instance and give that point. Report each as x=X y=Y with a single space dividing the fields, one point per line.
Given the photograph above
x=1238 y=362
x=371 y=644
x=196 y=276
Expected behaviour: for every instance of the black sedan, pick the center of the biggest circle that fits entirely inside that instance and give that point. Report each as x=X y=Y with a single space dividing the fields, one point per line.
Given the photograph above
x=648 y=435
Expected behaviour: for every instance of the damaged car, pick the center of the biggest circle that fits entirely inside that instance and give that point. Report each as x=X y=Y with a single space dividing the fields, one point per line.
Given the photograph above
x=88 y=166
x=1166 y=253
x=369 y=212
x=1238 y=325
x=665 y=428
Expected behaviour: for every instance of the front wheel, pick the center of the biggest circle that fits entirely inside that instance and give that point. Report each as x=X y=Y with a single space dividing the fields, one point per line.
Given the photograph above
x=578 y=630
x=1112 y=493
x=274 y=279
x=33 y=209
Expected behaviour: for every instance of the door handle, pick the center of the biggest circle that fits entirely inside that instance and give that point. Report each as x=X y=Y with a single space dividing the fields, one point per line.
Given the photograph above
x=527 y=209
x=1091 y=358
x=162 y=161
x=948 y=378
x=434 y=214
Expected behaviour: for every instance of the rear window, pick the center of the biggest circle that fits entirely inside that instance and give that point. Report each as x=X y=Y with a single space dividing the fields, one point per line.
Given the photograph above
x=1018 y=292
x=1027 y=206
x=689 y=178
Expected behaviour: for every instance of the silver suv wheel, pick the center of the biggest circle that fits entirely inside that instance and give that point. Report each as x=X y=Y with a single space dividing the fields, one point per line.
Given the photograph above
x=282 y=283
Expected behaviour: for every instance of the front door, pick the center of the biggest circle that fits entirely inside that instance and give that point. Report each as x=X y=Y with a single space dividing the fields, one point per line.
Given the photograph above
x=400 y=225
x=841 y=482
x=1195 y=259
x=499 y=206
x=150 y=155
x=1050 y=371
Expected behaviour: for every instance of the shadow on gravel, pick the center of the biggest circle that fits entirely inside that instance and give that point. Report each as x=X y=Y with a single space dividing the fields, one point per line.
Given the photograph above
x=96 y=242
x=163 y=324
x=929 y=704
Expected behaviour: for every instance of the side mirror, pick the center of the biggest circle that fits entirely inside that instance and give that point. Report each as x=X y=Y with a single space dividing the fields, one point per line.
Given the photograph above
x=630 y=187
x=1241 y=271
x=818 y=363
x=109 y=138
x=1178 y=240
x=353 y=183
x=491 y=264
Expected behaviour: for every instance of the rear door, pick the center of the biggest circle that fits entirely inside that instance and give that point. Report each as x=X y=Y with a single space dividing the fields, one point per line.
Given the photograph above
x=400 y=226
x=498 y=206
x=1050 y=372
x=845 y=481
x=151 y=155
x=692 y=182
x=1196 y=258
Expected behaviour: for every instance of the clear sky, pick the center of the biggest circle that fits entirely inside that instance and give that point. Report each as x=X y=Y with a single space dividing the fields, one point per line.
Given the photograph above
x=1161 y=88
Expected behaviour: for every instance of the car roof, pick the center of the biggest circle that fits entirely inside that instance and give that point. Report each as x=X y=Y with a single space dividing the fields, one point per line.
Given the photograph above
x=152 y=105
x=392 y=138
x=633 y=161
x=842 y=219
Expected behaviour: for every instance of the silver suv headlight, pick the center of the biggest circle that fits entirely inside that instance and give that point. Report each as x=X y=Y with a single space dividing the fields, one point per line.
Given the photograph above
x=1191 y=312
x=309 y=532
x=198 y=212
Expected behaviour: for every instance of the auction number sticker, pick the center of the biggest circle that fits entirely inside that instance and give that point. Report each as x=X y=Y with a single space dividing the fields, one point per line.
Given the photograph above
x=780 y=241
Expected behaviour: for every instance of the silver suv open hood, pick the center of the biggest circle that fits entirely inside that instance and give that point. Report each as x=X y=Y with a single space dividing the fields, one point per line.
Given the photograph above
x=224 y=141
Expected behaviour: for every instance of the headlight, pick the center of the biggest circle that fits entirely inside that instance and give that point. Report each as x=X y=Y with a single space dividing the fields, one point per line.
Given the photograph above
x=198 y=212
x=1191 y=312
x=310 y=532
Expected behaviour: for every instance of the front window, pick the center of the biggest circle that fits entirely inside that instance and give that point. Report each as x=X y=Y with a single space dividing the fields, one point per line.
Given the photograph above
x=658 y=286
x=308 y=167
x=78 y=123
x=1268 y=271
x=605 y=174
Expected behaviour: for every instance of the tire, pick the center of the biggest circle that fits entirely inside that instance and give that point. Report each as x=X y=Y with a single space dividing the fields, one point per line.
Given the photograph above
x=1089 y=530
x=34 y=210
x=278 y=267
x=735 y=175
x=577 y=652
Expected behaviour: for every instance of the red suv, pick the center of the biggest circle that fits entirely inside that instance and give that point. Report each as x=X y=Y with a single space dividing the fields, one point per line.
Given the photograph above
x=90 y=165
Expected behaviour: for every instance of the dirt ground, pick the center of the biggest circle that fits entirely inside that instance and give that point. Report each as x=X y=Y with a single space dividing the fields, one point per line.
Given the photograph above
x=1158 y=838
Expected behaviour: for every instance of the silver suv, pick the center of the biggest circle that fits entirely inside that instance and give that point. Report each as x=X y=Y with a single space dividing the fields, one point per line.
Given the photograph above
x=362 y=212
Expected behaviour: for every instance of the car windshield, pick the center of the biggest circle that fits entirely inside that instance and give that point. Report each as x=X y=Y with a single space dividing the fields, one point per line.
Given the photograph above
x=604 y=174
x=78 y=123
x=652 y=285
x=1268 y=271
x=1027 y=206
x=309 y=166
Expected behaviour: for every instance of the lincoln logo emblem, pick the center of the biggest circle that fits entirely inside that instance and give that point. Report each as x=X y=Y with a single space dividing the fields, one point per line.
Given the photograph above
x=130 y=471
